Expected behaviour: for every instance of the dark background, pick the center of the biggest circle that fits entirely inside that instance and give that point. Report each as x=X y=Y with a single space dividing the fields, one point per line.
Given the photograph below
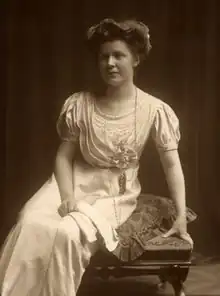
x=46 y=60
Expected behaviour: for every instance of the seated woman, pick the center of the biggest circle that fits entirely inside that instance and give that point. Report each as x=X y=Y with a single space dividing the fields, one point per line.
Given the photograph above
x=95 y=186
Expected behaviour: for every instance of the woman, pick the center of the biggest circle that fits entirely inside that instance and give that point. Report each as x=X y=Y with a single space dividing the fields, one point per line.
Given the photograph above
x=94 y=188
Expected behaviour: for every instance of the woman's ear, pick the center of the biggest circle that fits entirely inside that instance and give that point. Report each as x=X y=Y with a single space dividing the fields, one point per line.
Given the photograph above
x=136 y=61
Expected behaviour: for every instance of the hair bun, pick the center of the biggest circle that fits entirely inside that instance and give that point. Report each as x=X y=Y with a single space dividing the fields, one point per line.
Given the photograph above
x=135 y=33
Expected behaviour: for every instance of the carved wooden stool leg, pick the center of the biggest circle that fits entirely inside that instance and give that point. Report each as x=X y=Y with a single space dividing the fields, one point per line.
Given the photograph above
x=162 y=284
x=177 y=277
x=178 y=288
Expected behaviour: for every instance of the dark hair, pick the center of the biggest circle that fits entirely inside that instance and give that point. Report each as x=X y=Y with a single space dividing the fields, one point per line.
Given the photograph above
x=134 y=33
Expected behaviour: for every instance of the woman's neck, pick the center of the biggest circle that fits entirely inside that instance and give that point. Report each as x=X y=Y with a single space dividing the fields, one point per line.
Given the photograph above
x=121 y=92
x=118 y=100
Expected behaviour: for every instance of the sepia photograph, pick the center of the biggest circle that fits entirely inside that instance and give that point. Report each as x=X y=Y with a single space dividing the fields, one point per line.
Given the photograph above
x=110 y=148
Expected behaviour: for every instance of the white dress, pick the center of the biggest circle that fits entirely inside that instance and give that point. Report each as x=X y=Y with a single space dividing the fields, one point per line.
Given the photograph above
x=46 y=255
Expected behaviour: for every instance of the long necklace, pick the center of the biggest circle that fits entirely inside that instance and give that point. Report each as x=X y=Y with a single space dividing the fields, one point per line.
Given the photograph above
x=123 y=156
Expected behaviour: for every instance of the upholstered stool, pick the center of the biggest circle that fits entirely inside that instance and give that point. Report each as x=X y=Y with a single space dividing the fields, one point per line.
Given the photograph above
x=169 y=258
x=142 y=250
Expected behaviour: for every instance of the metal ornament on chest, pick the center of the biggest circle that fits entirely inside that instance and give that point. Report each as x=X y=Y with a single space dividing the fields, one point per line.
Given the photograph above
x=124 y=155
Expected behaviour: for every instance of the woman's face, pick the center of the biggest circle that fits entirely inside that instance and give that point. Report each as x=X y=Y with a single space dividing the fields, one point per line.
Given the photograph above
x=116 y=62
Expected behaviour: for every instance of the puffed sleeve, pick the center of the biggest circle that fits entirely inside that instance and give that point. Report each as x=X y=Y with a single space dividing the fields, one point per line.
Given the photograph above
x=165 y=129
x=67 y=126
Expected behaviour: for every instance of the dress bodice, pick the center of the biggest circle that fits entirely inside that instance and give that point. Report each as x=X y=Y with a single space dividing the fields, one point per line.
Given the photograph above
x=95 y=175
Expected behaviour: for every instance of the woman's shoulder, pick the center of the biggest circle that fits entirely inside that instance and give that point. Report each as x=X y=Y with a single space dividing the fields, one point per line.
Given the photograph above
x=82 y=95
x=76 y=96
x=154 y=102
x=78 y=99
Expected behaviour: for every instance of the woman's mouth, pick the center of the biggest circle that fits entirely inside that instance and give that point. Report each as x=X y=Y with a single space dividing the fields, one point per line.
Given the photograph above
x=112 y=73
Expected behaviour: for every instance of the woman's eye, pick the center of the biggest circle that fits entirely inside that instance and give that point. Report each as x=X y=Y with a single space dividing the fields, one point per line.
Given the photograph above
x=116 y=55
x=119 y=55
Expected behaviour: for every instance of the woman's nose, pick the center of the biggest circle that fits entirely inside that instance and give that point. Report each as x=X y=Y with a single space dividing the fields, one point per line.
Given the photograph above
x=111 y=61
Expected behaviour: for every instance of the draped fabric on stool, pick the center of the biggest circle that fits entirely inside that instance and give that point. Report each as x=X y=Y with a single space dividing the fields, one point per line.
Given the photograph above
x=142 y=250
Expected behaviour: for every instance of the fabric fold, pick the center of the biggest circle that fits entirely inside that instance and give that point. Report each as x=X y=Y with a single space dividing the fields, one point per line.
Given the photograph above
x=107 y=233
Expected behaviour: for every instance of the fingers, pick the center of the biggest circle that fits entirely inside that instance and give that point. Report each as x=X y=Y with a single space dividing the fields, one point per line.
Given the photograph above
x=61 y=210
x=66 y=207
x=187 y=238
x=184 y=235
x=169 y=233
x=70 y=206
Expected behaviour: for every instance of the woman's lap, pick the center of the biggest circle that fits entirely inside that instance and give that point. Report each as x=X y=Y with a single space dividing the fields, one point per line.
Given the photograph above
x=40 y=232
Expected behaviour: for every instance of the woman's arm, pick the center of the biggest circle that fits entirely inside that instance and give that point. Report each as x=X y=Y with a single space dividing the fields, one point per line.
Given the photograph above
x=64 y=175
x=64 y=169
x=175 y=179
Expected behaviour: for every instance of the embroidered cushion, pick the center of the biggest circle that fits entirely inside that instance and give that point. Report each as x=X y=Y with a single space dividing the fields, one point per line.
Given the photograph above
x=153 y=216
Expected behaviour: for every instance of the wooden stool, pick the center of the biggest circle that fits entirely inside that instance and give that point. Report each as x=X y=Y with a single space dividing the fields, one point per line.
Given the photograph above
x=169 y=258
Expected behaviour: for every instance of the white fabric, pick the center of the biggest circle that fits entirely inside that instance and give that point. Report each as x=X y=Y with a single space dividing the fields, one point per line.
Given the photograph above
x=81 y=120
x=46 y=255
x=107 y=232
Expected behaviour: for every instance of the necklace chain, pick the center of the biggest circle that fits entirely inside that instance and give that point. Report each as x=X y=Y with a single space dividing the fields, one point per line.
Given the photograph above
x=122 y=168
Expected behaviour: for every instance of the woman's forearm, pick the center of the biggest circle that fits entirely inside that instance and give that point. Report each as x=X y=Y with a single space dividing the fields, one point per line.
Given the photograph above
x=176 y=184
x=64 y=169
x=175 y=180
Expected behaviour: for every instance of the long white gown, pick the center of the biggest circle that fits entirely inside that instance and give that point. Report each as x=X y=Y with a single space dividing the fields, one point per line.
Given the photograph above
x=46 y=255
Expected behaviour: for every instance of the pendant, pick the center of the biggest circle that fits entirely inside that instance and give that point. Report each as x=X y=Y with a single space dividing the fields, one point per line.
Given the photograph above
x=122 y=182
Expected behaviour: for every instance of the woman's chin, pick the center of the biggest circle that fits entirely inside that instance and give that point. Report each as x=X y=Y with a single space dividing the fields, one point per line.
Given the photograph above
x=113 y=82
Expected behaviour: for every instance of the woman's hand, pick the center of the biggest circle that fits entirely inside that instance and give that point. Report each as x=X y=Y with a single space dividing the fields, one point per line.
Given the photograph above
x=66 y=207
x=176 y=183
x=180 y=228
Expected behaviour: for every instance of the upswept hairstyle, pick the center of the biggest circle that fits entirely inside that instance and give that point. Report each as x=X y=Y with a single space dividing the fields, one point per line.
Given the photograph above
x=134 y=33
